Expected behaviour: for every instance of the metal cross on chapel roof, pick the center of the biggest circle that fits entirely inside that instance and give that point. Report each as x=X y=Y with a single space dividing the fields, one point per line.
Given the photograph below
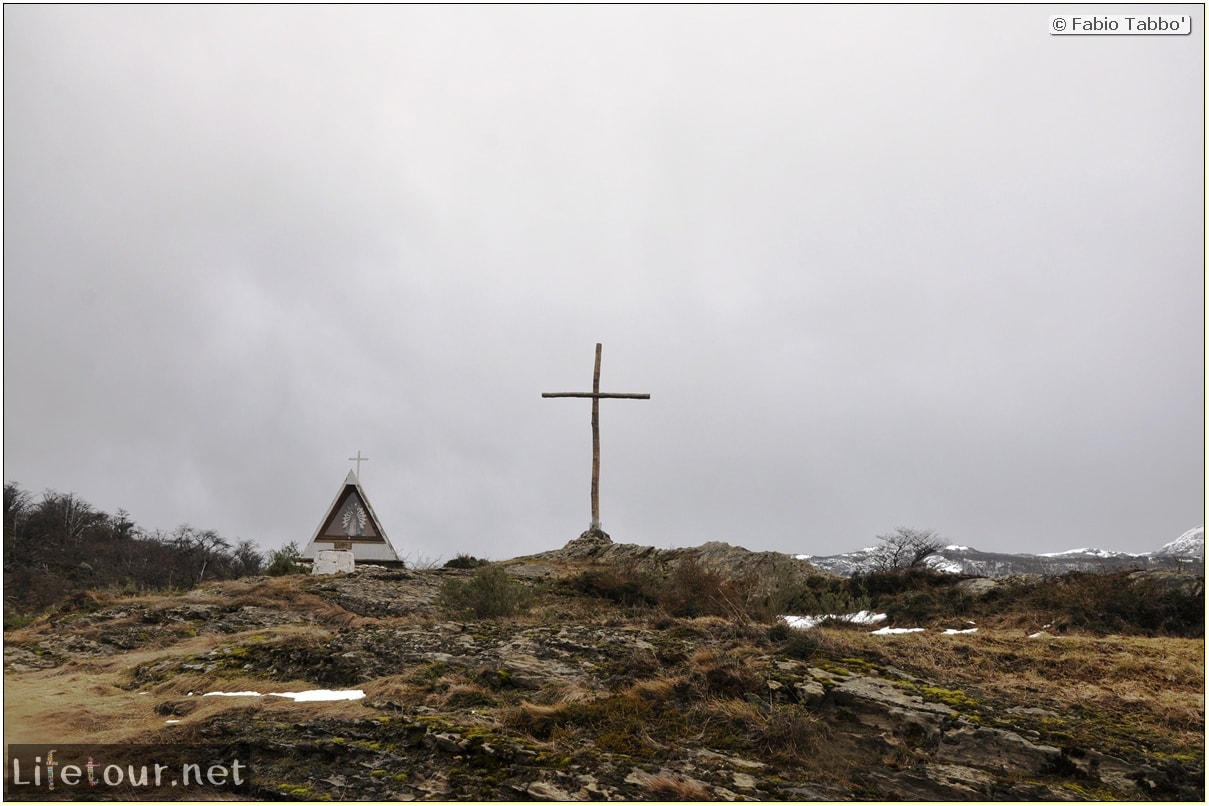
x=358 y=459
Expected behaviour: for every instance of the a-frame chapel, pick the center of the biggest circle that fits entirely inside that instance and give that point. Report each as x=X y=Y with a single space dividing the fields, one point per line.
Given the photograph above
x=351 y=525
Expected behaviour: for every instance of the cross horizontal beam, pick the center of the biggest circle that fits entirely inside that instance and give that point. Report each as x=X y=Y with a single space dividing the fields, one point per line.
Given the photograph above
x=597 y=394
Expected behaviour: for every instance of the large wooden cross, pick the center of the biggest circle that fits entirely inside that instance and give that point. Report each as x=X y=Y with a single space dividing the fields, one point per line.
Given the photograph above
x=596 y=396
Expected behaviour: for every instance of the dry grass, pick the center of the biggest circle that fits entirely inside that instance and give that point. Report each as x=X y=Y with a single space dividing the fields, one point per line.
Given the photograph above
x=536 y=719
x=466 y=695
x=90 y=698
x=673 y=787
x=1130 y=690
x=88 y=707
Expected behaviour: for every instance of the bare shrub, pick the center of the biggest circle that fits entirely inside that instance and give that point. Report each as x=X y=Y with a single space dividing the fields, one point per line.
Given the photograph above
x=907 y=547
x=694 y=590
x=620 y=585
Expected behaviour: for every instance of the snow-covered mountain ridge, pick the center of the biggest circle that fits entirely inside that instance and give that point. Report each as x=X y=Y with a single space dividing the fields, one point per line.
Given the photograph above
x=1187 y=552
x=1189 y=544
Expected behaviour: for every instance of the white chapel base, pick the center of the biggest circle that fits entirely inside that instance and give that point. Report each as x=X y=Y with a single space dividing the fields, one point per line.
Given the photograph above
x=333 y=562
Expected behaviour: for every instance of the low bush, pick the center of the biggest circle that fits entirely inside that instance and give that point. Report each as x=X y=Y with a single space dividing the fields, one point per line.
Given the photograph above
x=812 y=596
x=690 y=590
x=489 y=593
x=1121 y=602
x=466 y=561
x=285 y=560
x=612 y=584
x=15 y=621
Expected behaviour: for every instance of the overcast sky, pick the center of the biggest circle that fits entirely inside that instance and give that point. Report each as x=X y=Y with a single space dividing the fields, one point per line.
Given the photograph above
x=876 y=266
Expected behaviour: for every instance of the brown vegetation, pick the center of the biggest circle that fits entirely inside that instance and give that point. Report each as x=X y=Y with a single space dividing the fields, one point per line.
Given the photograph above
x=620 y=683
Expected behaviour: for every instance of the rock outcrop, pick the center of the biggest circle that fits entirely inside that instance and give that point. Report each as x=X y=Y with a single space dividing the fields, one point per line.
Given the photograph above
x=732 y=562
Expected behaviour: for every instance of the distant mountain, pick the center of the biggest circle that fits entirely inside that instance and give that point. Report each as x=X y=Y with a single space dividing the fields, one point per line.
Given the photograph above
x=1185 y=552
x=1189 y=544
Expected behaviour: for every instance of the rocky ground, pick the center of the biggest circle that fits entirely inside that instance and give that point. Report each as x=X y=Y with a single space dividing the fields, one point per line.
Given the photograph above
x=586 y=699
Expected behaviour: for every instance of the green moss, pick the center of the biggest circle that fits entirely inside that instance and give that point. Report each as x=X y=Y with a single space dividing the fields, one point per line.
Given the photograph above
x=551 y=760
x=1096 y=793
x=956 y=699
x=432 y=722
x=861 y=665
x=302 y=792
x=479 y=733
x=1187 y=759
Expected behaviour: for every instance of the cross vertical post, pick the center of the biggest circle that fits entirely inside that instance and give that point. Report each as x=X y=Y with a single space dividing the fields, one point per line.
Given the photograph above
x=596 y=396
x=596 y=442
x=358 y=459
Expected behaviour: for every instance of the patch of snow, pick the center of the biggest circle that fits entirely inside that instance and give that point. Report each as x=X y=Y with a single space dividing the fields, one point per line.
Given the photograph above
x=322 y=695
x=944 y=565
x=896 y=630
x=1068 y=551
x=957 y=548
x=865 y=617
x=961 y=632
x=315 y=695
x=1090 y=552
x=808 y=622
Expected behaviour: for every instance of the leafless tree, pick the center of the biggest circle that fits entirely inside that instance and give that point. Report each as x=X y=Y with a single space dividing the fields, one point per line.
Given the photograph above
x=907 y=547
x=246 y=560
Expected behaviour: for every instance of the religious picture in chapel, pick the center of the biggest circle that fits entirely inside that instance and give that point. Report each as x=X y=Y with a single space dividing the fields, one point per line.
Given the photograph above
x=350 y=518
x=353 y=518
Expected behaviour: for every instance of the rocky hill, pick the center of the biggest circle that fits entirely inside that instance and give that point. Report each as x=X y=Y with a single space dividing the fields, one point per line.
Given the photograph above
x=621 y=673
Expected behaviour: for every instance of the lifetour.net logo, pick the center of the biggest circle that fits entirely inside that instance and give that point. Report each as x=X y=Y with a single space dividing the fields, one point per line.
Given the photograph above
x=126 y=772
